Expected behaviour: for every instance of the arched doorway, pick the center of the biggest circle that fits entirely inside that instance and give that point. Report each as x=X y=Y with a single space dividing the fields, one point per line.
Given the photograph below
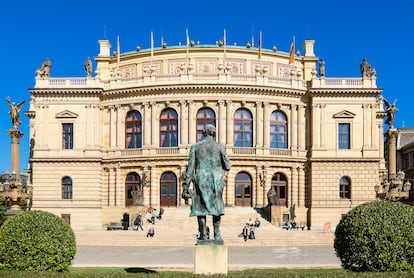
x=243 y=189
x=279 y=184
x=132 y=183
x=168 y=189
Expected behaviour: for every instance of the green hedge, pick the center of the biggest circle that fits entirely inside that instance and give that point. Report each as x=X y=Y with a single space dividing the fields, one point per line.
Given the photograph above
x=36 y=241
x=377 y=236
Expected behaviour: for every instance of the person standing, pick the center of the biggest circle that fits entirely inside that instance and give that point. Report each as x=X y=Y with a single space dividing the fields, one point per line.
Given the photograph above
x=206 y=162
x=138 y=222
x=245 y=233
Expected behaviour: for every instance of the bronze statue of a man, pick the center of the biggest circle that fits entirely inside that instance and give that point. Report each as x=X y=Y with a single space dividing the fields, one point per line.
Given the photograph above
x=206 y=162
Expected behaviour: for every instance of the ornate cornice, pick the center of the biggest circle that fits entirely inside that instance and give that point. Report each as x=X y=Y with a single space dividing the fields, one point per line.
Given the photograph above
x=204 y=89
x=87 y=92
x=345 y=92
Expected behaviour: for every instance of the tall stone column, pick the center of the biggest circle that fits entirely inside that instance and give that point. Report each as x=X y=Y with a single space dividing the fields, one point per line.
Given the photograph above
x=229 y=137
x=392 y=153
x=183 y=123
x=294 y=126
x=221 y=122
x=266 y=125
x=147 y=125
x=374 y=142
x=259 y=124
x=15 y=136
x=315 y=126
x=322 y=127
x=155 y=135
x=301 y=128
x=301 y=186
x=191 y=123
x=366 y=132
x=295 y=187
x=112 y=128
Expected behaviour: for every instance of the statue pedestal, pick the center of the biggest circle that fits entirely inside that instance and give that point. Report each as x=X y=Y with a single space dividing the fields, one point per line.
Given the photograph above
x=210 y=259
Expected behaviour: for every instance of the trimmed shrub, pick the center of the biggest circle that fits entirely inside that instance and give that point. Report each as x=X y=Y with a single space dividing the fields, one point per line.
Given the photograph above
x=36 y=241
x=377 y=236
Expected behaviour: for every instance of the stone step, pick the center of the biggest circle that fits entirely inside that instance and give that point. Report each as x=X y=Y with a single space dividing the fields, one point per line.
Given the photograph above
x=176 y=228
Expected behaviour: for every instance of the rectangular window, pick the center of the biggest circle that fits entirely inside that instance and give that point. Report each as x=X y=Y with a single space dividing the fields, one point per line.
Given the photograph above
x=67 y=136
x=344 y=136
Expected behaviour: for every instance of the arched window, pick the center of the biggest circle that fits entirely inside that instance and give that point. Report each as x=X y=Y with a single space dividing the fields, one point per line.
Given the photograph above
x=133 y=130
x=243 y=128
x=168 y=128
x=168 y=190
x=67 y=188
x=345 y=188
x=205 y=116
x=243 y=189
x=278 y=130
x=279 y=184
x=132 y=183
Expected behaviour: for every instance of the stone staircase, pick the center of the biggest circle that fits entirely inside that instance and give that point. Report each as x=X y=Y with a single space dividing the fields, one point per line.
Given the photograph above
x=176 y=228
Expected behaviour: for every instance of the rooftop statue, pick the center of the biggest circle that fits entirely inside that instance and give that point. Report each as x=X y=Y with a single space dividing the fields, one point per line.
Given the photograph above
x=44 y=70
x=14 y=112
x=366 y=70
x=88 y=67
x=206 y=162
x=391 y=109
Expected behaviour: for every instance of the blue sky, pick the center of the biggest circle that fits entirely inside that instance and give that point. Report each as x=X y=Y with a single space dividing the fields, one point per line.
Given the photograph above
x=68 y=31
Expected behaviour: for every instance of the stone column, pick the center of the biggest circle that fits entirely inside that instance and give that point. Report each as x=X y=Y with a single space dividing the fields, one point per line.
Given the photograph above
x=374 y=137
x=112 y=126
x=44 y=138
x=322 y=127
x=111 y=187
x=266 y=125
x=294 y=126
x=117 y=126
x=229 y=137
x=315 y=126
x=295 y=186
x=15 y=136
x=259 y=124
x=301 y=131
x=392 y=152
x=147 y=125
x=183 y=123
x=191 y=123
x=301 y=185
x=221 y=122
x=155 y=135
x=366 y=130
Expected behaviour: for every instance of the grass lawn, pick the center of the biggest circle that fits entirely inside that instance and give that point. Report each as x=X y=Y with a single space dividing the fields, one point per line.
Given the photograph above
x=143 y=272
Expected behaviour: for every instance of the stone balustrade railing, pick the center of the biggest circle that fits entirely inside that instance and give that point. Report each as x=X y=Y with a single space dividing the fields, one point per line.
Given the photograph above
x=258 y=80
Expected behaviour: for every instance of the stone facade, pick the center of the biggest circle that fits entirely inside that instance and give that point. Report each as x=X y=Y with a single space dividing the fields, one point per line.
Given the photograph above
x=99 y=141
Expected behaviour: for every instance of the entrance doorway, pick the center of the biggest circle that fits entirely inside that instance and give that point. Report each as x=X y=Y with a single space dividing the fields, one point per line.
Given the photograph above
x=243 y=189
x=279 y=183
x=168 y=189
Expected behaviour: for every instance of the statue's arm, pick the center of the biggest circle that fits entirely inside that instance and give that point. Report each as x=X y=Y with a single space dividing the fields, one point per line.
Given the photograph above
x=186 y=194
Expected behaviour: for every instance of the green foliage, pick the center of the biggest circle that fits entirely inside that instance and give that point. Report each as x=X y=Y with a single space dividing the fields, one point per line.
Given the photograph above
x=36 y=241
x=4 y=206
x=377 y=236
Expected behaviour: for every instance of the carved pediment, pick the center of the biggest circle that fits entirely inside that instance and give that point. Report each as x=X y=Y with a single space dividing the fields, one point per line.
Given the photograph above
x=344 y=114
x=66 y=114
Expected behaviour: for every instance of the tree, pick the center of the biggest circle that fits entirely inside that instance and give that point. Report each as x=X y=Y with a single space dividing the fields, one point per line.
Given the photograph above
x=377 y=236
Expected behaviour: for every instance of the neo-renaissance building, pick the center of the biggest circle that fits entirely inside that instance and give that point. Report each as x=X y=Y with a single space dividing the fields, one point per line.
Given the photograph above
x=118 y=140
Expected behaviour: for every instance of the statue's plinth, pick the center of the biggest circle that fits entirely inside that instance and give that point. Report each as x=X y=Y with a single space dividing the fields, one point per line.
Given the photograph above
x=210 y=257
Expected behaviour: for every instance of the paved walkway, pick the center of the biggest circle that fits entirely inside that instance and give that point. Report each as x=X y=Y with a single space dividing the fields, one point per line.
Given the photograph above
x=182 y=258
